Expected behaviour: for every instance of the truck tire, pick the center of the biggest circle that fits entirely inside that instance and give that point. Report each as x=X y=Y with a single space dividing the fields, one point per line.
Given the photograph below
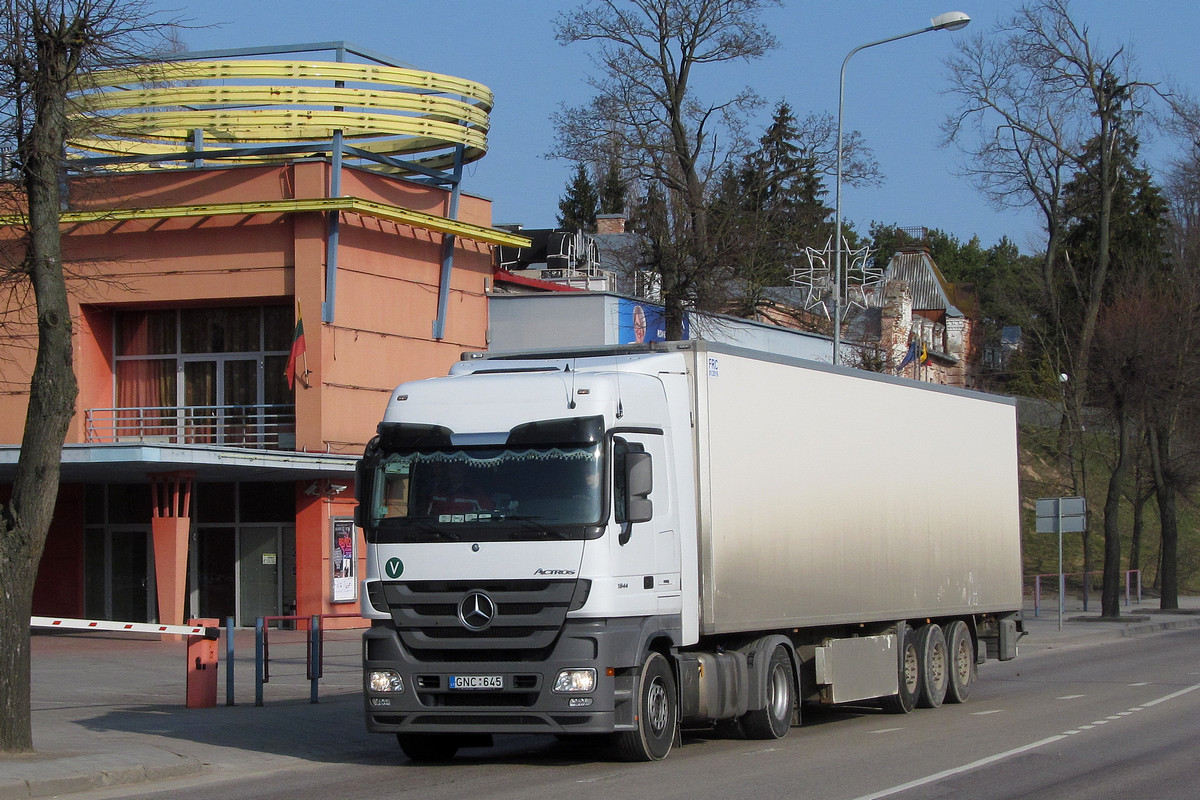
x=657 y=714
x=935 y=665
x=428 y=746
x=909 y=677
x=962 y=662
x=774 y=719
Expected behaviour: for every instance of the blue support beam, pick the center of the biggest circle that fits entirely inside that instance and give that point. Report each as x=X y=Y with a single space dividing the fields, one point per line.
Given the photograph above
x=443 y=302
x=331 y=240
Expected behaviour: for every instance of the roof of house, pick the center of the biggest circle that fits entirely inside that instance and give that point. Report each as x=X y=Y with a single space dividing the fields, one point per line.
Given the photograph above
x=929 y=289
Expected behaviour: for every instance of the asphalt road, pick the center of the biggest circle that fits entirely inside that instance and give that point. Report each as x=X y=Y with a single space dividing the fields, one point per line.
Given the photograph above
x=1105 y=722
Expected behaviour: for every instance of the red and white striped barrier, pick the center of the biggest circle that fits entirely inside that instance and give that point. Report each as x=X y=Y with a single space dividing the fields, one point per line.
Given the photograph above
x=125 y=627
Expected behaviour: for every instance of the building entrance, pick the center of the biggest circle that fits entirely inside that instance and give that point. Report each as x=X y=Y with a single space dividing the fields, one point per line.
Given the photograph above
x=118 y=578
x=244 y=572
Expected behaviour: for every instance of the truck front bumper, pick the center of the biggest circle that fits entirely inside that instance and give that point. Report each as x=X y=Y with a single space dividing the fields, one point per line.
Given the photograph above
x=484 y=692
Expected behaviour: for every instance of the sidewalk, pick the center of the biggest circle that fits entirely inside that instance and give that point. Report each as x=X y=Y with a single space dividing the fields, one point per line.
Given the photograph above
x=109 y=710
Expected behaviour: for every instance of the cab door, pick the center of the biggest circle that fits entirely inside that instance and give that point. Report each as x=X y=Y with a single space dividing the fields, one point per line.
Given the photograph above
x=645 y=544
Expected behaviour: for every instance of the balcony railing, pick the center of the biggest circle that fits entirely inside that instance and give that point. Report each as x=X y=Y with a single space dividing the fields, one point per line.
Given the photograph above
x=267 y=427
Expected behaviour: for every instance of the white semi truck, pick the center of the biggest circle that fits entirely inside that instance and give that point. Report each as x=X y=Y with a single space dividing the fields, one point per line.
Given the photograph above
x=630 y=540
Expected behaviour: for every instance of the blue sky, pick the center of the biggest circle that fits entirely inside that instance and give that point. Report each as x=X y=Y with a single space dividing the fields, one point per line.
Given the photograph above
x=893 y=92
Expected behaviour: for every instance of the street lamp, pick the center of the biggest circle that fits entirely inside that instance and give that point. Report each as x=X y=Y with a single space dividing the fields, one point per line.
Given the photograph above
x=950 y=21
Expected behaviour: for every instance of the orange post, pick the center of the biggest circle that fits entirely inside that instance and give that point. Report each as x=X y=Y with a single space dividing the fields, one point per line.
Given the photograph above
x=202 y=667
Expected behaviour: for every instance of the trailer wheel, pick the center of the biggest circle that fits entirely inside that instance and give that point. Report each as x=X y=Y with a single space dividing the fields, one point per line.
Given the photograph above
x=909 y=683
x=427 y=746
x=962 y=662
x=774 y=719
x=657 y=714
x=935 y=665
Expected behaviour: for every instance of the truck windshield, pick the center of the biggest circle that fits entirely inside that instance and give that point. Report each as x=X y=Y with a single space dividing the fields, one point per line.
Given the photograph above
x=488 y=493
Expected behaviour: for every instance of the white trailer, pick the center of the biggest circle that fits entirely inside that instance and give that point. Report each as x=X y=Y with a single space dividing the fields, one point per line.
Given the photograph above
x=630 y=540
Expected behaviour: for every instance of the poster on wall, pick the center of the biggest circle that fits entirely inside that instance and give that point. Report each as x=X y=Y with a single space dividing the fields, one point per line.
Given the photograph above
x=643 y=322
x=343 y=559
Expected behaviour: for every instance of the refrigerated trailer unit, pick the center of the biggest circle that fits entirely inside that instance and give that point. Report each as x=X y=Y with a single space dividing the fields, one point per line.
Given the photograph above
x=636 y=539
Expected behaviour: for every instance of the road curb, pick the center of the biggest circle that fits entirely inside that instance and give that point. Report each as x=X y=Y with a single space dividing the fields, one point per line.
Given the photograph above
x=47 y=776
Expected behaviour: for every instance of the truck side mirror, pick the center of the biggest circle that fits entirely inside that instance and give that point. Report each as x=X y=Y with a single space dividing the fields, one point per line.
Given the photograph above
x=639 y=482
x=361 y=492
x=364 y=475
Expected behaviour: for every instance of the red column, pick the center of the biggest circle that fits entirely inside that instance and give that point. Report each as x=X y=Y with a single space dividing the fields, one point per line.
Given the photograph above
x=171 y=497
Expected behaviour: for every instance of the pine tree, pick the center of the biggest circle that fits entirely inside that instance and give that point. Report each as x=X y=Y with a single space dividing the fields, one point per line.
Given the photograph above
x=577 y=208
x=612 y=190
x=769 y=209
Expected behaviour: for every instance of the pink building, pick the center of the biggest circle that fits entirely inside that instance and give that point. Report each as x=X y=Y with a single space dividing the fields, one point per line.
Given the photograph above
x=195 y=481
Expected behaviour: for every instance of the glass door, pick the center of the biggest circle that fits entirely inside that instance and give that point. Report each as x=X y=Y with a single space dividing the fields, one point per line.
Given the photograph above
x=239 y=395
x=119 y=582
x=200 y=401
x=259 y=564
x=215 y=593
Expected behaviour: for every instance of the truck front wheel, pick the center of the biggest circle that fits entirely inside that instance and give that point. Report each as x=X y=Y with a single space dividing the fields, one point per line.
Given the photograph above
x=657 y=714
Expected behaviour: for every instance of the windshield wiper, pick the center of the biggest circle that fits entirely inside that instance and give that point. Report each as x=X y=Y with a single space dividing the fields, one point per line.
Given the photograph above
x=440 y=531
x=532 y=523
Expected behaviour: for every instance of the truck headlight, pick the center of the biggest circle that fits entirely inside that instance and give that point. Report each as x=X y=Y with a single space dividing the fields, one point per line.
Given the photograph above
x=575 y=680
x=385 y=680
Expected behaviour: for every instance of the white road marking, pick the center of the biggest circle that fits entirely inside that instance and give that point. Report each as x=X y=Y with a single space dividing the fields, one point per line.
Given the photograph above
x=1070 y=697
x=887 y=730
x=985 y=713
x=959 y=770
x=1145 y=683
x=983 y=762
x=1171 y=696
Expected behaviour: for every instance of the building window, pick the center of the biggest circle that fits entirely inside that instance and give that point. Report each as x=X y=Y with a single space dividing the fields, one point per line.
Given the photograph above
x=202 y=356
x=214 y=375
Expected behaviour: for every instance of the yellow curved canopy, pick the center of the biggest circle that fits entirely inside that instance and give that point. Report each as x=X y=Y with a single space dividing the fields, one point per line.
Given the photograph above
x=239 y=107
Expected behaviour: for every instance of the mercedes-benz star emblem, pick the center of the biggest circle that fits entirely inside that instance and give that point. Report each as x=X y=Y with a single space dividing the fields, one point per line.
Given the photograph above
x=477 y=611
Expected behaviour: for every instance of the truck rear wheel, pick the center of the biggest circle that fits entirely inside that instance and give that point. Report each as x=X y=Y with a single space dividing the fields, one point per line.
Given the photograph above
x=428 y=746
x=774 y=719
x=657 y=714
x=935 y=665
x=905 y=698
x=962 y=662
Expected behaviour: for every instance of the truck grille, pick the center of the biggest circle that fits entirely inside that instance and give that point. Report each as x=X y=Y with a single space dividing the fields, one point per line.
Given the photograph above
x=528 y=616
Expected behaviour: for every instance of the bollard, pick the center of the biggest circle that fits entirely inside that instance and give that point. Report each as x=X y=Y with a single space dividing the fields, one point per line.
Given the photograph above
x=202 y=667
x=314 y=657
x=229 y=661
x=259 y=661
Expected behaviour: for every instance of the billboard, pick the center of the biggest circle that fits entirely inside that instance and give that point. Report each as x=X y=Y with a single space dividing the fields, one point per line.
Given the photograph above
x=643 y=322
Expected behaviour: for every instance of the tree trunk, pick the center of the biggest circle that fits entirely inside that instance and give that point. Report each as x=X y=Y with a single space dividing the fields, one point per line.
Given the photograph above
x=25 y=521
x=1135 y=537
x=1110 y=593
x=1168 y=575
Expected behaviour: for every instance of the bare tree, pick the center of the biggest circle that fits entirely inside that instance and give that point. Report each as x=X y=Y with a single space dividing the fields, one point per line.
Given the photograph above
x=645 y=109
x=47 y=48
x=1041 y=105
